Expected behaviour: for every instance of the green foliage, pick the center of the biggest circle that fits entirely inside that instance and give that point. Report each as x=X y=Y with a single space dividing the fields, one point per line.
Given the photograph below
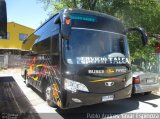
x=138 y=51
x=144 y=13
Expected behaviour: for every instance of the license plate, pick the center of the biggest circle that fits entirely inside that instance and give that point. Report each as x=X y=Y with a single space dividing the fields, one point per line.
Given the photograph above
x=107 y=98
x=150 y=81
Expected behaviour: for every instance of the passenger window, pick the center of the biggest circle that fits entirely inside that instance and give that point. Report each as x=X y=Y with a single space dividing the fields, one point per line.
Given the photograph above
x=44 y=43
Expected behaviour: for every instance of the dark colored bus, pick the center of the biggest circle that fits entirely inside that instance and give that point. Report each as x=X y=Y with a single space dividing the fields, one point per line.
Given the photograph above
x=3 y=19
x=80 y=57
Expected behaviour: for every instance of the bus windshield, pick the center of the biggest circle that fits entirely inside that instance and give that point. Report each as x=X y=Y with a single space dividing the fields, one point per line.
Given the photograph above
x=91 y=46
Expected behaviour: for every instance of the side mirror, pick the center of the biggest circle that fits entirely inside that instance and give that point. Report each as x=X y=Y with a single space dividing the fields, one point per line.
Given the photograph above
x=66 y=25
x=3 y=19
x=144 y=36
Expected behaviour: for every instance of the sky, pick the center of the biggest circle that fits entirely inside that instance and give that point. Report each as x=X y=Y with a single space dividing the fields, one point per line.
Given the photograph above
x=26 y=12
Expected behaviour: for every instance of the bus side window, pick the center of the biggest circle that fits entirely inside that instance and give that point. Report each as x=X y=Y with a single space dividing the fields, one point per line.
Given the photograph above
x=43 y=44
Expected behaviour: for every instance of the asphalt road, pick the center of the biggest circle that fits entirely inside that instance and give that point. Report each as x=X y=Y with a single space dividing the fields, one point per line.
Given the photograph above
x=18 y=98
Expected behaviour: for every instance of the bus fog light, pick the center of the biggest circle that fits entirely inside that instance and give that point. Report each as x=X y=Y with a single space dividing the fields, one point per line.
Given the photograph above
x=74 y=86
x=76 y=100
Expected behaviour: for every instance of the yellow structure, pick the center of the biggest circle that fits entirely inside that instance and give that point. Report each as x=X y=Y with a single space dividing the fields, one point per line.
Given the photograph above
x=16 y=33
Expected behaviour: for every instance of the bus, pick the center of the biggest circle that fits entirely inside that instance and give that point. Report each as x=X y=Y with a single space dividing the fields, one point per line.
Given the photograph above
x=3 y=19
x=79 y=57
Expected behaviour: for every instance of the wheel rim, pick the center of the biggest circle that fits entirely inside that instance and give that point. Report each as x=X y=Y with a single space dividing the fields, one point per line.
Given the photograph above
x=48 y=93
x=26 y=80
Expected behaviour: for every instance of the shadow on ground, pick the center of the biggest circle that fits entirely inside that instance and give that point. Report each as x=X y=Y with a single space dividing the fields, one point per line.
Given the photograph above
x=13 y=102
x=108 y=108
x=144 y=98
x=100 y=110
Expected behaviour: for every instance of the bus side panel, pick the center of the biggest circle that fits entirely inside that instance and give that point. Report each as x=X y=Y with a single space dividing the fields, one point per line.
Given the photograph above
x=44 y=68
x=47 y=65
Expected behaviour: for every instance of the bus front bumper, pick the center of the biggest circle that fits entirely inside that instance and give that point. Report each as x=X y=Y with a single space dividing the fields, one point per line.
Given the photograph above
x=83 y=98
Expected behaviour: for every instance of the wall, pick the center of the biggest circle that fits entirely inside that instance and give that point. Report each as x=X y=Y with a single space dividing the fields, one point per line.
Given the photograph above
x=10 y=48
x=13 y=42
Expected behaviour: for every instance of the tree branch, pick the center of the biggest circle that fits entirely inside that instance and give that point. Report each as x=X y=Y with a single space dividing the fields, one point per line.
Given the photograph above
x=74 y=3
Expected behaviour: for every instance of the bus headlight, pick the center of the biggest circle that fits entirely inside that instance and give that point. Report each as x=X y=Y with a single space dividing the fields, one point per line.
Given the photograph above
x=74 y=86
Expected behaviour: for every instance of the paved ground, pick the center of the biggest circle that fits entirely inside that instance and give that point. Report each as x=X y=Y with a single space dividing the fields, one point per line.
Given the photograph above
x=13 y=102
x=29 y=100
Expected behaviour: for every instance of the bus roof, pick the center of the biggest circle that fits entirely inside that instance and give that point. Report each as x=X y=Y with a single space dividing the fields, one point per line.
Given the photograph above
x=81 y=11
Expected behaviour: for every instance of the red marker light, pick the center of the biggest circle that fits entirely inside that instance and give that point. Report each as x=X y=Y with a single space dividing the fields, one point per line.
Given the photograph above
x=136 y=80
x=68 y=21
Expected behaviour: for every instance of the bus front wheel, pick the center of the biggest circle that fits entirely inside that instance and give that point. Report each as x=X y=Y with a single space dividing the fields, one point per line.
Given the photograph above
x=49 y=97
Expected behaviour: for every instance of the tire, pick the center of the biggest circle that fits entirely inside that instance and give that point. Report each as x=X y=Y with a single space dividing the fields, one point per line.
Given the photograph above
x=27 y=83
x=148 y=93
x=49 y=97
x=26 y=79
x=25 y=75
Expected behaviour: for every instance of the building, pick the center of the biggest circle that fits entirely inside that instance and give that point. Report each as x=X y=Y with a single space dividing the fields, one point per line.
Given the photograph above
x=16 y=33
x=11 y=47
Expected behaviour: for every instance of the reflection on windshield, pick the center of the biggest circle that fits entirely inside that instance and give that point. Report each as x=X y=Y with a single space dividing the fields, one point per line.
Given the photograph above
x=94 y=46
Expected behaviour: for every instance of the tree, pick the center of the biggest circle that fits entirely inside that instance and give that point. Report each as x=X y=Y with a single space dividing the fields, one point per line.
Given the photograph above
x=144 y=13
